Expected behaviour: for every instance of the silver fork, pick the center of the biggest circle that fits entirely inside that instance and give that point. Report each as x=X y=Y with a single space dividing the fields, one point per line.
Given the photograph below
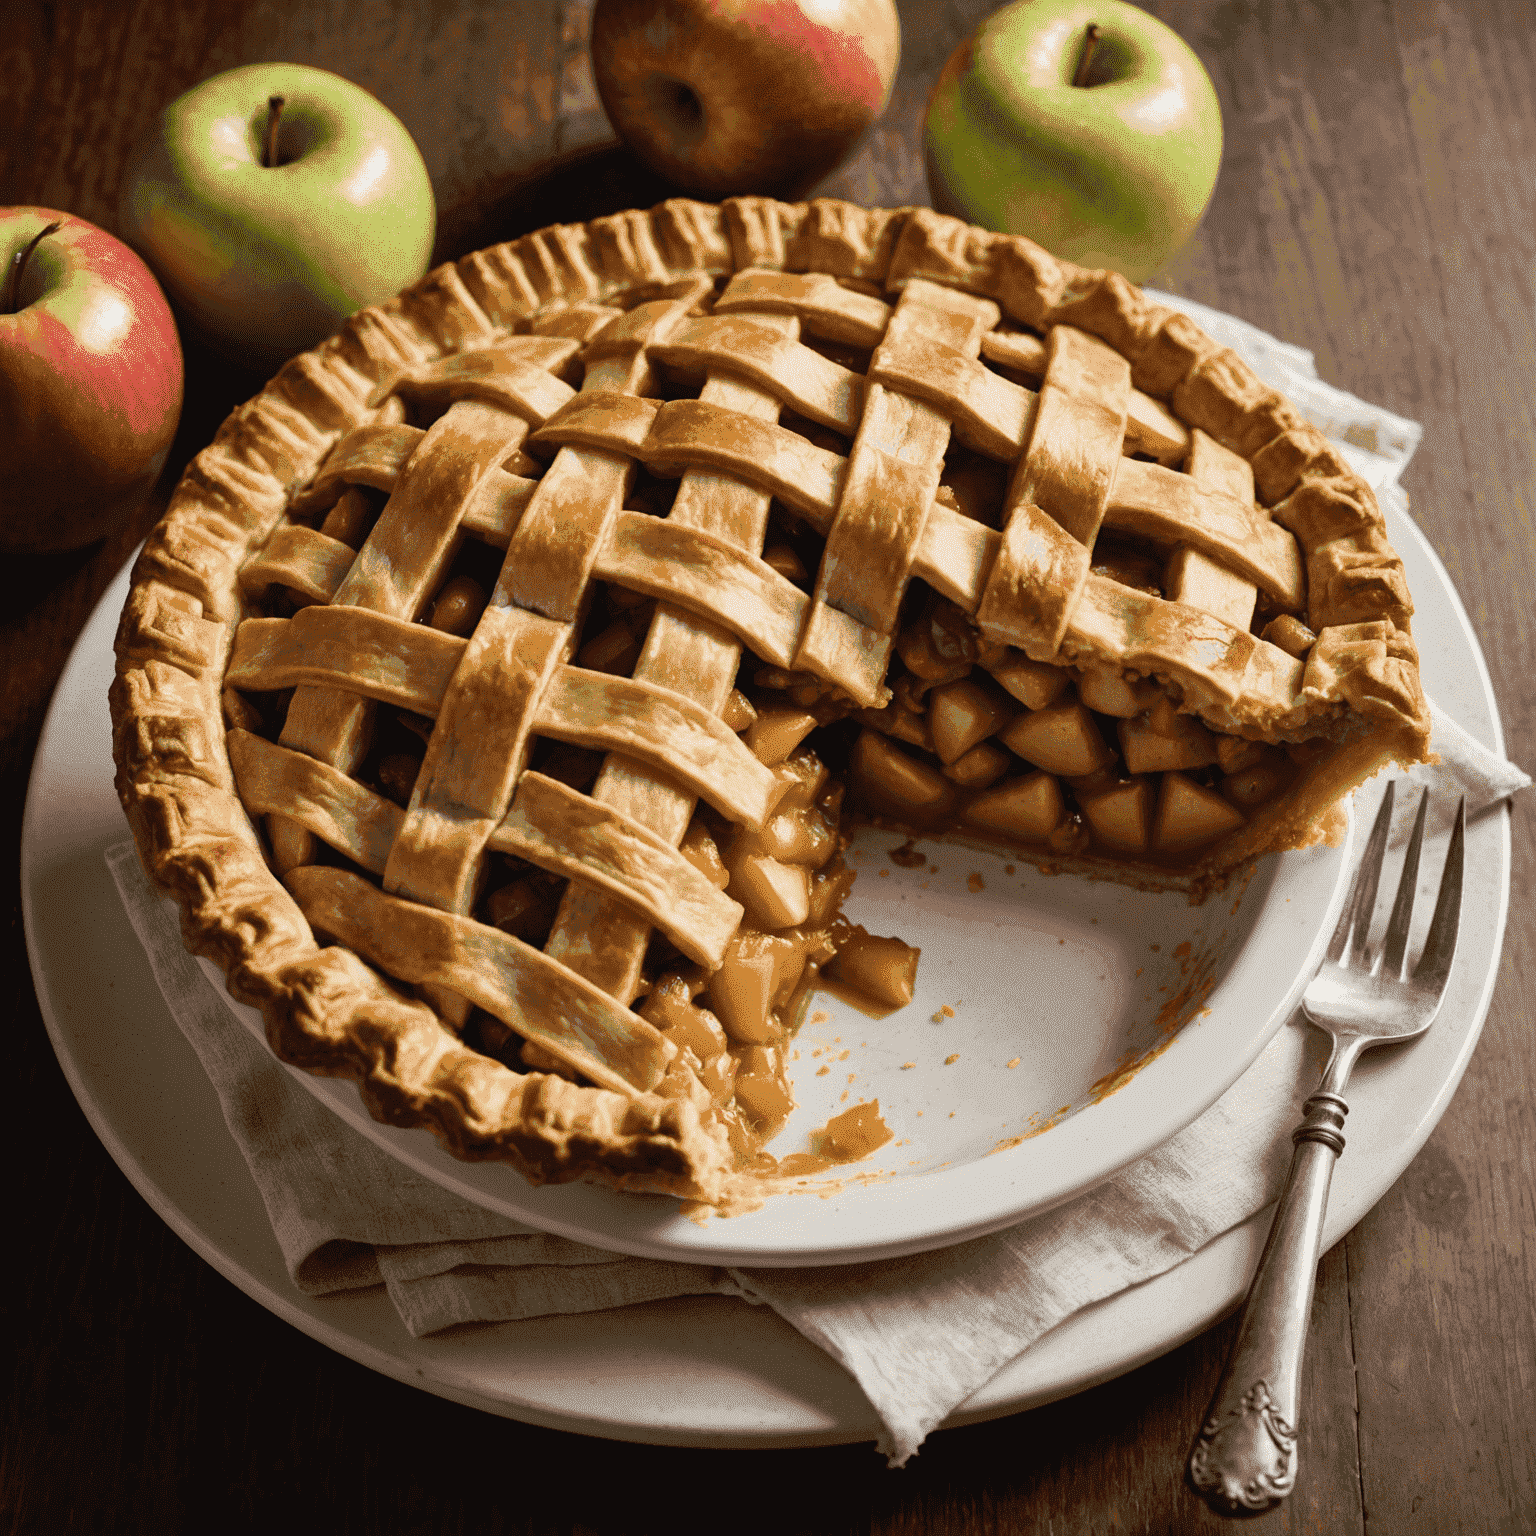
x=1244 y=1458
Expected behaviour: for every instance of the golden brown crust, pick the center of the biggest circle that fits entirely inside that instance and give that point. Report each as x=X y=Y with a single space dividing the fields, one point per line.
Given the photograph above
x=329 y=1012
x=1354 y=575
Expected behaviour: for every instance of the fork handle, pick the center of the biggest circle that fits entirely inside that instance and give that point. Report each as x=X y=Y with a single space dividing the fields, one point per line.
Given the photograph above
x=1244 y=1458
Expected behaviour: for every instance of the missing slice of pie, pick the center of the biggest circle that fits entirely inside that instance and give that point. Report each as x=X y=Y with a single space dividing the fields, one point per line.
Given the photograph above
x=495 y=693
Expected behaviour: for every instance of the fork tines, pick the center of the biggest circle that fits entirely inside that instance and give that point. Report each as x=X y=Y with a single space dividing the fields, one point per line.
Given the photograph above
x=1435 y=962
x=1349 y=938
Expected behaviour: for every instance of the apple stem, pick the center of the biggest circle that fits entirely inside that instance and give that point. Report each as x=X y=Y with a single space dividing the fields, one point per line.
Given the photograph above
x=1090 y=42
x=274 y=115
x=19 y=265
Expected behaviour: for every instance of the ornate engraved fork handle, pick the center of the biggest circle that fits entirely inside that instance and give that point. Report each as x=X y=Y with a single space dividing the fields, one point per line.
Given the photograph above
x=1244 y=1458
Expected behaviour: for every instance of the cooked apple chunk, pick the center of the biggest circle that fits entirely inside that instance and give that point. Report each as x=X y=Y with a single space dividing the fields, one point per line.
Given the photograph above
x=719 y=1077
x=758 y=974
x=776 y=895
x=765 y=1060
x=1165 y=719
x=883 y=970
x=804 y=776
x=671 y=1008
x=777 y=732
x=785 y=561
x=1189 y=814
x=765 y=1100
x=896 y=783
x=829 y=890
x=960 y=715
x=797 y=836
x=700 y=849
x=615 y=650
x=1061 y=739
x=979 y=768
x=1234 y=754
x=742 y=994
x=1029 y=808
x=1252 y=785
x=739 y=711
x=1122 y=817
x=1105 y=691
x=763 y=1094
x=526 y=908
x=1035 y=684
x=900 y=722
x=1149 y=751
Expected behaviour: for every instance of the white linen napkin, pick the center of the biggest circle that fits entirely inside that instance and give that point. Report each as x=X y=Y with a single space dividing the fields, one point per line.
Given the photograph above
x=918 y=1334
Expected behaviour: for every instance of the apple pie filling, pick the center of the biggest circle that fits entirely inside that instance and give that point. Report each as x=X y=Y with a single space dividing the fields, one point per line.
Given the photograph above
x=1061 y=761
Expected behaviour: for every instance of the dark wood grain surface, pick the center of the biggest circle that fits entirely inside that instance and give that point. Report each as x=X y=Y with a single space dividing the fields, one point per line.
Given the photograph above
x=1377 y=204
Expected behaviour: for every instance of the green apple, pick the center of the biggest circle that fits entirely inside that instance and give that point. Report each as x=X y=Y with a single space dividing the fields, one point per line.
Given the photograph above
x=1107 y=161
x=265 y=259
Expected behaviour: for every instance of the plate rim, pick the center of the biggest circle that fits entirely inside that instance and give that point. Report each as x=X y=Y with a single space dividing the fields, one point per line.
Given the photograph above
x=365 y=1328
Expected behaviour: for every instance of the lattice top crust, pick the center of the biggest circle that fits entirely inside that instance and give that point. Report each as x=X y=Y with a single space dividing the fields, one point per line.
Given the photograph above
x=618 y=408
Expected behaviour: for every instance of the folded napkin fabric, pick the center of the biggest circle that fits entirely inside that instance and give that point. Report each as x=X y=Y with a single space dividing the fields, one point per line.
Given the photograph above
x=1466 y=767
x=918 y=1334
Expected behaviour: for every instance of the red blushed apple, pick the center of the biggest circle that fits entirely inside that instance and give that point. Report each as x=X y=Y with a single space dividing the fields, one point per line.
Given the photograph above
x=90 y=381
x=735 y=96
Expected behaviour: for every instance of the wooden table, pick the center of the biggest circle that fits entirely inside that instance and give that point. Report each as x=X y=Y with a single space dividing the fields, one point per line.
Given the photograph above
x=1376 y=205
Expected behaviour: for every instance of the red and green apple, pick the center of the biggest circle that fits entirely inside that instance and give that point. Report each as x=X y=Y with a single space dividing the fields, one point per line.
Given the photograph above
x=90 y=381
x=1103 y=149
x=273 y=201
x=741 y=96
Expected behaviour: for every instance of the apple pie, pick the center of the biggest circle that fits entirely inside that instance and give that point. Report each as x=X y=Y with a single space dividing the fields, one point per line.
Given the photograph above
x=496 y=693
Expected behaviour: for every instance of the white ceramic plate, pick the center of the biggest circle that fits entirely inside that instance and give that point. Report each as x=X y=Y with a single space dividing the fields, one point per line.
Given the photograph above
x=695 y=1371
x=1062 y=1028
x=1035 y=993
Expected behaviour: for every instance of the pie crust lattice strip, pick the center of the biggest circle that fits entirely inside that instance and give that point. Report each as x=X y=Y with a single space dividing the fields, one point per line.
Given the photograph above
x=1040 y=512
